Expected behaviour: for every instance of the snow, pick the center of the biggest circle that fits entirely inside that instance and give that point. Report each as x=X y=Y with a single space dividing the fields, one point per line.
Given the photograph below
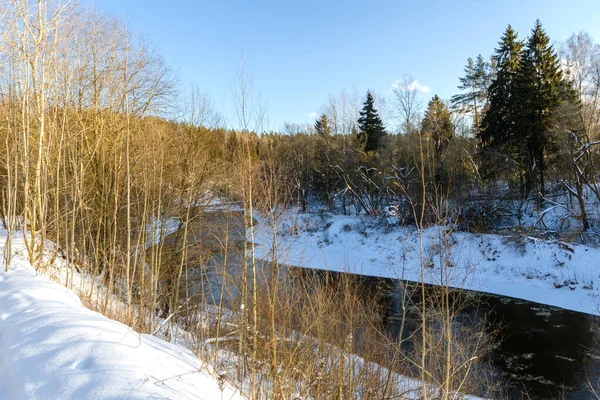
x=159 y=229
x=52 y=347
x=543 y=271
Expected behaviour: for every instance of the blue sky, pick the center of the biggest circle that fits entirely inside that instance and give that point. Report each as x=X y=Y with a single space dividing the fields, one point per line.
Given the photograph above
x=299 y=52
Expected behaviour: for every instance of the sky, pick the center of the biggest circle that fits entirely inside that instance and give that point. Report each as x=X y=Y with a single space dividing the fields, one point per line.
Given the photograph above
x=299 y=52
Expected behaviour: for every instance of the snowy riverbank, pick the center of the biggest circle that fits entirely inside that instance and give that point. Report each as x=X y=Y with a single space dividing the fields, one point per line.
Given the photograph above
x=52 y=347
x=548 y=272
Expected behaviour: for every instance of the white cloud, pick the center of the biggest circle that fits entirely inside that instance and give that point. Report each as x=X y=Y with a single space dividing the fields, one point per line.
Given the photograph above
x=413 y=85
x=313 y=115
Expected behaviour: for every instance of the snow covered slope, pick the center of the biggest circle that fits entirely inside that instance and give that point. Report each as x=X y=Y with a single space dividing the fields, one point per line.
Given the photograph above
x=548 y=272
x=52 y=347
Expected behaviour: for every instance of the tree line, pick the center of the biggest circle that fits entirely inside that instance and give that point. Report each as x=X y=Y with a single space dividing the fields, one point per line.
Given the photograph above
x=526 y=119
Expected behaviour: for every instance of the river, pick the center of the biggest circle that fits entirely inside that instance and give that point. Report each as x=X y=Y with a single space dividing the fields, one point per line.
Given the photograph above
x=546 y=352
x=543 y=351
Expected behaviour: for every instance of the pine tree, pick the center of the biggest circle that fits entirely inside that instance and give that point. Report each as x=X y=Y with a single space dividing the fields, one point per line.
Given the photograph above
x=322 y=126
x=371 y=129
x=475 y=83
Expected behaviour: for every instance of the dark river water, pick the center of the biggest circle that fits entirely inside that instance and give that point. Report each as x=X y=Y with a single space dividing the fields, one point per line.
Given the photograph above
x=547 y=352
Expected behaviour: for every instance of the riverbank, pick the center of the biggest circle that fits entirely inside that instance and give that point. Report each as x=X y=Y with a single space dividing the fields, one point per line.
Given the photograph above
x=550 y=272
x=52 y=346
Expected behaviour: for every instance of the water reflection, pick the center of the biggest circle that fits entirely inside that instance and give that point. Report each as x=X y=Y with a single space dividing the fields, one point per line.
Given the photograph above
x=545 y=352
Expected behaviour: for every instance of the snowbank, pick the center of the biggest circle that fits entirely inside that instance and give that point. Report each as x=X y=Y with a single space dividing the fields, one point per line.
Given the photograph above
x=52 y=347
x=548 y=272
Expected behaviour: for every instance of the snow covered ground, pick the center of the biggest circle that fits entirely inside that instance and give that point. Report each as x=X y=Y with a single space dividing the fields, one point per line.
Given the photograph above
x=548 y=272
x=52 y=347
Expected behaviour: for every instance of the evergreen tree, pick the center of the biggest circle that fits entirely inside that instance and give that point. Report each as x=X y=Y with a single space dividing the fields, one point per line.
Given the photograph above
x=475 y=84
x=541 y=82
x=500 y=131
x=371 y=129
x=499 y=123
x=322 y=126
x=522 y=100
x=437 y=126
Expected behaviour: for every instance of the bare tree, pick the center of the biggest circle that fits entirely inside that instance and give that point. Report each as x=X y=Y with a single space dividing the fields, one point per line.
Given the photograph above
x=582 y=58
x=407 y=104
x=201 y=110
x=342 y=111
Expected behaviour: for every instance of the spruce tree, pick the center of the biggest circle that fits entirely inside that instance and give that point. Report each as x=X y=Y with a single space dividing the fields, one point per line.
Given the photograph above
x=540 y=81
x=437 y=126
x=501 y=129
x=371 y=129
x=499 y=122
x=322 y=126
x=522 y=100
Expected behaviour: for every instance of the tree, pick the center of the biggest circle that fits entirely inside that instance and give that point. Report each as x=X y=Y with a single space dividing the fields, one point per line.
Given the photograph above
x=407 y=104
x=523 y=98
x=500 y=119
x=582 y=56
x=500 y=126
x=322 y=126
x=475 y=83
x=569 y=134
x=541 y=81
x=437 y=127
x=370 y=126
x=342 y=111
